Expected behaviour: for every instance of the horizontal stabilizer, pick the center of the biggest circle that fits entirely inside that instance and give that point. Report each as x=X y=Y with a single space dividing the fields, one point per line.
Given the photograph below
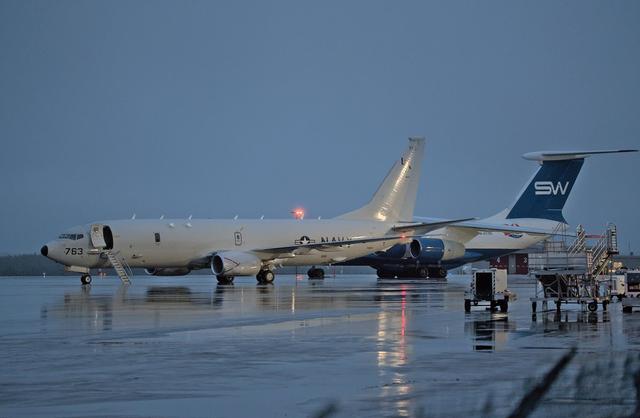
x=569 y=155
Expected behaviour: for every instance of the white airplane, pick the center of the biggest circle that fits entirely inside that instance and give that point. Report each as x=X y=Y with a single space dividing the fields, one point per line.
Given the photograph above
x=172 y=247
x=534 y=216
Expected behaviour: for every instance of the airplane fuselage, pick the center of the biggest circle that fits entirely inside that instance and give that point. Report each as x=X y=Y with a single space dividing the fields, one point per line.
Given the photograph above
x=172 y=243
x=483 y=245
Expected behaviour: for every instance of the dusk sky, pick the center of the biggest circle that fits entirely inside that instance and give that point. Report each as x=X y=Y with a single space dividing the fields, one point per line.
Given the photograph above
x=218 y=108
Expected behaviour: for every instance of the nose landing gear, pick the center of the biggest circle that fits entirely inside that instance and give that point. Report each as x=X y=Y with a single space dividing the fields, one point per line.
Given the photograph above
x=85 y=279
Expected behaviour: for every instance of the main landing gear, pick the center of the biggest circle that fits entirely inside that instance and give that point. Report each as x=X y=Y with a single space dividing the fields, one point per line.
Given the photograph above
x=225 y=279
x=265 y=276
x=437 y=273
x=85 y=279
x=315 y=273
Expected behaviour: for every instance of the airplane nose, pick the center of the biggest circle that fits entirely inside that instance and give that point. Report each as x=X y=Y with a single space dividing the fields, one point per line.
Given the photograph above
x=44 y=250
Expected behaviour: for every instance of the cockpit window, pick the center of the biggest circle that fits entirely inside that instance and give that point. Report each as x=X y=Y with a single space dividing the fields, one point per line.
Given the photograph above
x=73 y=237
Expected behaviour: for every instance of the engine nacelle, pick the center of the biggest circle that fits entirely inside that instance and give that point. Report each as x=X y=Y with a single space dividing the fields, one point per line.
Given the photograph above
x=235 y=263
x=397 y=251
x=169 y=271
x=432 y=250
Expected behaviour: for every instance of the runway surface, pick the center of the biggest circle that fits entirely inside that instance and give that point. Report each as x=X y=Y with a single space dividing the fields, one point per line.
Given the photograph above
x=349 y=346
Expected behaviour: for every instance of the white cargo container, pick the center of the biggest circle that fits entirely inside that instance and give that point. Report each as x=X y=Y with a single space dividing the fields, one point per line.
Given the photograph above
x=617 y=286
x=632 y=296
x=488 y=285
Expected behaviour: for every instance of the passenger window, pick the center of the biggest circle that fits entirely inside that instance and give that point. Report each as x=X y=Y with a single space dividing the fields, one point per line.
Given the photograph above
x=157 y=235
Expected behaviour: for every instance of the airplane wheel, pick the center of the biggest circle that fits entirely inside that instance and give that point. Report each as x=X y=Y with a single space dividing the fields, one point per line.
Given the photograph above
x=315 y=273
x=383 y=274
x=265 y=276
x=504 y=305
x=85 y=279
x=422 y=272
x=592 y=306
x=437 y=273
x=224 y=279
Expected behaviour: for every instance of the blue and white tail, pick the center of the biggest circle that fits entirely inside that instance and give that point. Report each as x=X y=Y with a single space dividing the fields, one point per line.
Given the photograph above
x=546 y=193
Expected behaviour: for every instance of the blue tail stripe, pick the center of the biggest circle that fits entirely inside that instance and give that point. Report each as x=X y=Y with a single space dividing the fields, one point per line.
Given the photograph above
x=547 y=193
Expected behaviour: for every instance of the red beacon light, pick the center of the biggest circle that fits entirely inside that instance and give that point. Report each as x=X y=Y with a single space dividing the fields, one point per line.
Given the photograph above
x=298 y=213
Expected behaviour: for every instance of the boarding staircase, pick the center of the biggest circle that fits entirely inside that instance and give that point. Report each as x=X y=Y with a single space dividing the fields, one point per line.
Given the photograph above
x=600 y=255
x=572 y=270
x=583 y=255
x=121 y=267
x=560 y=254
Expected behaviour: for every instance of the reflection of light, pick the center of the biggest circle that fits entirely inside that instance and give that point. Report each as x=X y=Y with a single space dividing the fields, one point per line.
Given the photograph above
x=293 y=300
x=392 y=356
x=403 y=323
x=298 y=213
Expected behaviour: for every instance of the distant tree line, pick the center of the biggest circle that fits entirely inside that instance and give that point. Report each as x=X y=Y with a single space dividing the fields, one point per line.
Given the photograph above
x=29 y=265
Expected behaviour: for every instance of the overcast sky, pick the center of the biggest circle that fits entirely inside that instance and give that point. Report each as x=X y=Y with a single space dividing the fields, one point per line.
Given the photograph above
x=220 y=108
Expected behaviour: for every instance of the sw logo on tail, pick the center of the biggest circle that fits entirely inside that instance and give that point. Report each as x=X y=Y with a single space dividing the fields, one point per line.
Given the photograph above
x=546 y=188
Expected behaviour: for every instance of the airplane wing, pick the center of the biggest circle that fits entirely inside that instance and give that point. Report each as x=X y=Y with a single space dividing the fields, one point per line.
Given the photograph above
x=304 y=248
x=417 y=229
x=421 y=228
x=480 y=226
x=465 y=231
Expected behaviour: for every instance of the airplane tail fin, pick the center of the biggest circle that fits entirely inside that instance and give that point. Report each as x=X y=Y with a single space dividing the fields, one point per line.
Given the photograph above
x=396 y=197
x=547 y=192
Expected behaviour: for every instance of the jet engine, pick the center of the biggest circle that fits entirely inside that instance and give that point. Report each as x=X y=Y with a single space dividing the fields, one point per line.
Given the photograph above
x=433 y=250
x=170 y=271
x=397 y=251
x=235 y=263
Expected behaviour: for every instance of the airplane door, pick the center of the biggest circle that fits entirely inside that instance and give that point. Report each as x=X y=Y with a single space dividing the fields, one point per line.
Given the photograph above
x=97 y=236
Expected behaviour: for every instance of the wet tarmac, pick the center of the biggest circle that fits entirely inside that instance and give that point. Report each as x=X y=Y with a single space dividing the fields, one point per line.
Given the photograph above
x=349 y=345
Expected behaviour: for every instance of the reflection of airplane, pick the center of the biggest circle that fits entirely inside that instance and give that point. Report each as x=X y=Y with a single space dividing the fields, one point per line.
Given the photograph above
x=231 y=248
x=536 y=214
x=88 y=303
x=489 y=334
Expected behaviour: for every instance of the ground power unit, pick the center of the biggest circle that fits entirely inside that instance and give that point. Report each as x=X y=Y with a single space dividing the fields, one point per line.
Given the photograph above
x=488 y=288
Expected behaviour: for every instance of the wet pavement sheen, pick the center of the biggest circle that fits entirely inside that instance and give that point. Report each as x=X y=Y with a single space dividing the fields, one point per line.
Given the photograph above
x=178 y=347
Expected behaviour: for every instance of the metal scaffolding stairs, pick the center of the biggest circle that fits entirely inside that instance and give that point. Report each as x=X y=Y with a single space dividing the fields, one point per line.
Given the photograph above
x=121 y=267
x=572 y=271
x=600 y=255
